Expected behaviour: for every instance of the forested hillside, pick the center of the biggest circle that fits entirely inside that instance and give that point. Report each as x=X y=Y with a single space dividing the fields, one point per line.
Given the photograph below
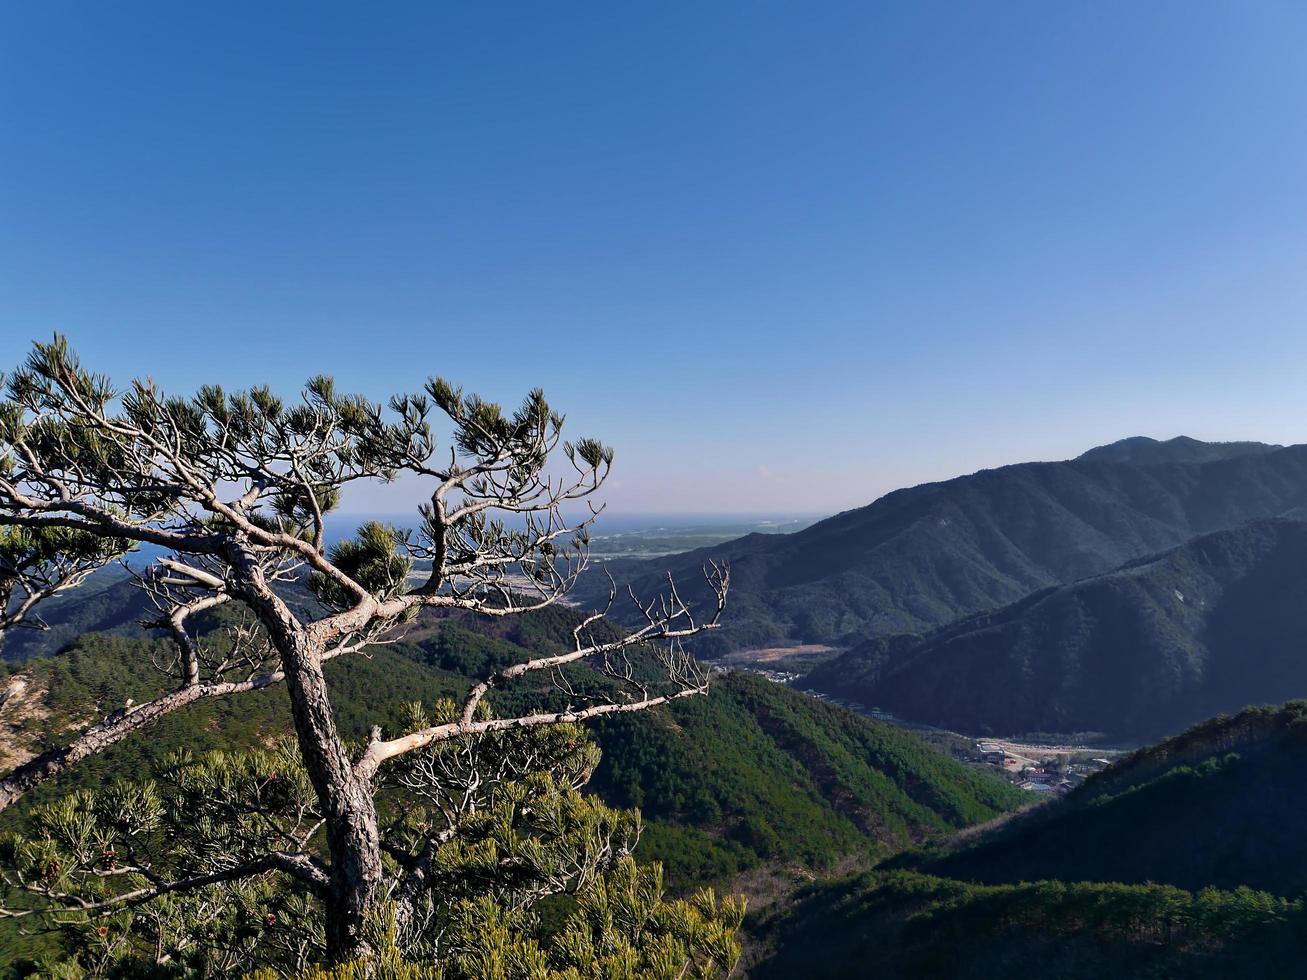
x=921 y=557
x=1185 y=859
x=753 y=776
x=757 y=773
x=752 y=773
x=107 y=602
x=1217 y=806
x=1138 y=653
x=907 y=926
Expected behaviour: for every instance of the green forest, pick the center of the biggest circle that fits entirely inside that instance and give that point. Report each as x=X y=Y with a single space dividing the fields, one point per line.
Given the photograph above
x=753 y=778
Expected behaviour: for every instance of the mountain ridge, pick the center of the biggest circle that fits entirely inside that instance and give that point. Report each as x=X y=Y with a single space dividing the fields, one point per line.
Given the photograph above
x=1147 y=450
x=920 y=557
x=1138 y=652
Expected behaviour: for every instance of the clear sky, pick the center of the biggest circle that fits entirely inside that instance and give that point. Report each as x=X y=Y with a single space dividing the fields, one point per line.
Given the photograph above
x=784 y=256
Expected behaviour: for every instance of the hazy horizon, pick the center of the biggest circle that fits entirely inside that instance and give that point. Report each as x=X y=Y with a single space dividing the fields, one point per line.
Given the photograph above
x=410 y=491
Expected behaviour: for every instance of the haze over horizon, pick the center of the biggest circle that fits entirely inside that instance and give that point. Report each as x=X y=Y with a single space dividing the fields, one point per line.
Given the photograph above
x=784 y=259
x=401 y=499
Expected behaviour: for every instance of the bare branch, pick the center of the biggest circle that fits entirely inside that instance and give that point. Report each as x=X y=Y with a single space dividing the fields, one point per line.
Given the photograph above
x=674 y=623
x=119 y=725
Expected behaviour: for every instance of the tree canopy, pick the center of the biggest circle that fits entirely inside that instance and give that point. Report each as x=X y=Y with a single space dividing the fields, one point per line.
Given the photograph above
x=231 y=489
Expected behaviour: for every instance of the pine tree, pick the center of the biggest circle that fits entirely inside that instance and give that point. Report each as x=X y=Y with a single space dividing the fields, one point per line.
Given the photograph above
x=494 y=866
x=233 y=488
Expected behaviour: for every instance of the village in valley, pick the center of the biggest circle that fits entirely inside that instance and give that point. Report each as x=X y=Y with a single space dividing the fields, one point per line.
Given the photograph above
x=1042 y=768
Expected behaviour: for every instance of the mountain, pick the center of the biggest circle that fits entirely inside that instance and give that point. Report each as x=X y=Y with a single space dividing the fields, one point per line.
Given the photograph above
x=1220 y=805
x=907 y=926
x=107 y=602
x=756 y=786
x=1181 y=449
x=922 y=557
x=1138 y=653
x=1186 y=859
x=757 y=773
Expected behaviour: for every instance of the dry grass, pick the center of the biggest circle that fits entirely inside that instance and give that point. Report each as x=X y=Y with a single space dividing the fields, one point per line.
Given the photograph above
x=771 y=655
x=22 y=709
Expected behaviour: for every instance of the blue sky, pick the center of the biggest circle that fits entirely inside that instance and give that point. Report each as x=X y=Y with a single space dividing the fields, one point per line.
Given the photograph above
x=784 y=256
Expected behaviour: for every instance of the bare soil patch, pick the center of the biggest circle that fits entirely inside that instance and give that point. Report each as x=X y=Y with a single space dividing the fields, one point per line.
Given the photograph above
x=22 y=709
x=771 y=655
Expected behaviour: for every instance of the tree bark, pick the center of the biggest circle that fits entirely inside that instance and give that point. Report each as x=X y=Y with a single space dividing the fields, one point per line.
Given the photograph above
x=345 y=796
x=50 y=763
x=347 y=804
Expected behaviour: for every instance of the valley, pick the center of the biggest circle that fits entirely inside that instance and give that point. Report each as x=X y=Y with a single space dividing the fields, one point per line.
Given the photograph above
x=693 y=491
x=1051 y=764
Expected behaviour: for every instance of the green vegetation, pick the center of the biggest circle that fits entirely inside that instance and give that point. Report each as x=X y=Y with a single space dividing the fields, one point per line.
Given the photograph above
x=755 y=775
x=534 y=880
x=621 y=928
x=103 y=670
x=108 y=602
x=905 y=925
x=1219 y=805
x=1185 y=859
x=105 y=603
x=1139 y=653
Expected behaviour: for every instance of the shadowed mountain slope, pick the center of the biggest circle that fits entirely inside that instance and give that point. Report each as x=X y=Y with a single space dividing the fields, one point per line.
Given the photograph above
x=1140 y=652
x=1220 y=805
x=1185 y=859
x=921 y=557
x=907 y=926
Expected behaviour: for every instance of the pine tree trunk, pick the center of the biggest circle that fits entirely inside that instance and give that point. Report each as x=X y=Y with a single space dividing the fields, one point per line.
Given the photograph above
x=351 y=816
x=353 y=837
x=355 y=874
x=348 y=808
